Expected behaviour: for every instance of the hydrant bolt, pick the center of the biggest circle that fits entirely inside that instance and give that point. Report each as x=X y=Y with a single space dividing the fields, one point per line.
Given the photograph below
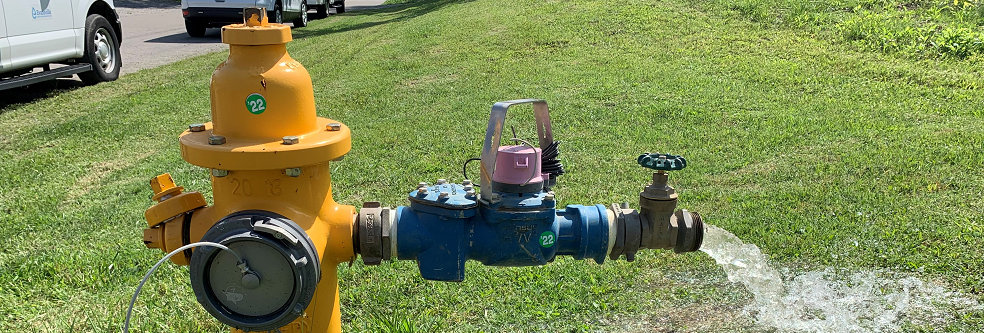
x=196 y=127
x=290 y=140
x=216 y=140
x=466 y=183
x=293 y=172
x=421 y=184
x=220 y=173
x=442 y=181
x=333 y=127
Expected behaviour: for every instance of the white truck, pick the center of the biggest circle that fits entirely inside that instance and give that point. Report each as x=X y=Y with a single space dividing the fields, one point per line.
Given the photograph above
x=85 y=35
x=202 y=14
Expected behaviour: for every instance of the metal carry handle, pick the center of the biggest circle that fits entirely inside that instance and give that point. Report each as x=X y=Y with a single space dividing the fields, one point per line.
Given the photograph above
x=494 y=132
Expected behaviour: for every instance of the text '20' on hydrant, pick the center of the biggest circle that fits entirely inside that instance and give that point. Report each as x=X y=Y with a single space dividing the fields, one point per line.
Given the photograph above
x=269 y=157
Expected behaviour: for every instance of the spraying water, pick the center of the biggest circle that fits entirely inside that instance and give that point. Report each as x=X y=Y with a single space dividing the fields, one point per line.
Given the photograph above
x=831 y=300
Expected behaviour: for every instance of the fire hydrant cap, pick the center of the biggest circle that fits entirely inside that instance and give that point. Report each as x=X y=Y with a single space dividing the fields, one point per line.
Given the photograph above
x=279 y=283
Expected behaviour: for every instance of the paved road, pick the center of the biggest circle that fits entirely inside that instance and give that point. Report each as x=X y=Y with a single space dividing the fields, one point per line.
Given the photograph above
x=154 y=33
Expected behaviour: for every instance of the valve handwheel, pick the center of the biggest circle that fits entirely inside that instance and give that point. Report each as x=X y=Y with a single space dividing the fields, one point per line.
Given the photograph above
x=662 y=162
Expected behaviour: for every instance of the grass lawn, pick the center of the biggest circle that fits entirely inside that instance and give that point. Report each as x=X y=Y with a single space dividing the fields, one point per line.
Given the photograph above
x=822 y=153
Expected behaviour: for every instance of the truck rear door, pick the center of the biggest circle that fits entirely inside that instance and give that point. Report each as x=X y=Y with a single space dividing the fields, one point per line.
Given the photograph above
x=39 y=31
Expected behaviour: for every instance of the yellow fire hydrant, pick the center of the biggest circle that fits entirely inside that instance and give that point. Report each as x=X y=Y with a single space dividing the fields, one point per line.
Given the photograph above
x=269 y=156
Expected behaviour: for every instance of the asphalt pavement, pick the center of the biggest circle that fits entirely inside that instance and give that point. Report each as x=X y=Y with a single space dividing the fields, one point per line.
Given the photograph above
x=154 y=33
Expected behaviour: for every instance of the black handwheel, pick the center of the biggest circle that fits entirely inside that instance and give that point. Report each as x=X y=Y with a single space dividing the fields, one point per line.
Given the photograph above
x=302 y=21
x=195 y=29
x=102 y=50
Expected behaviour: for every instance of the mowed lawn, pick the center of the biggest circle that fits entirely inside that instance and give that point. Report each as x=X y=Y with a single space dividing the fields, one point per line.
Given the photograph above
x=822 y=153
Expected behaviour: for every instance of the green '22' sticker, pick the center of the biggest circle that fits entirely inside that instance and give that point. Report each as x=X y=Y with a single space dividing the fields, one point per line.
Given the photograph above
x=255 y=103
x=547 y=239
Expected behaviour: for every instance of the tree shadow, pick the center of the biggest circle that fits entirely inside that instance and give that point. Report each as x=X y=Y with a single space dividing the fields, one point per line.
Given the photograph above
x=12 y=98
x=146 y=3
x=401 y=12
x=212 y=36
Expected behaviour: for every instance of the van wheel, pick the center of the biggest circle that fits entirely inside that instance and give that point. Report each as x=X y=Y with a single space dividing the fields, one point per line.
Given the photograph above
x=278 y=13
x=302 y=21
x=323 y=11
x=195 y=29
x=102 y=51
x=340 y=7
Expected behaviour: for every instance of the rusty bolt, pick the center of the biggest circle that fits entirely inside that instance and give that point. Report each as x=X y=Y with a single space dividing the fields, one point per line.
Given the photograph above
x=444 y=195
x=333 y=127
x=216 y=140
x=293 y=172
x=196 y=127
x=422 y=191
x=291 y=140
x=220 y=173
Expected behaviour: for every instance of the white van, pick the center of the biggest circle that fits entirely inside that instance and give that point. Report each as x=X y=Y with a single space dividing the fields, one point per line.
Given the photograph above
x=202 y=14
x=83 y=34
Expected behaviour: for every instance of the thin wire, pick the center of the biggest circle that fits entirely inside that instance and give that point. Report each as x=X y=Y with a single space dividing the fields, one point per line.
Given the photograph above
x=129 y=311
x=464 y=169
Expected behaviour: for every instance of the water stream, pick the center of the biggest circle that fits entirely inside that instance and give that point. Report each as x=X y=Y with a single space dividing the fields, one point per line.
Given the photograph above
x=833 y=300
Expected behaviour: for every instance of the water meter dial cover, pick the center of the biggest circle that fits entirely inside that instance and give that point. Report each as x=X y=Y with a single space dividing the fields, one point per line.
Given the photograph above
x=283 y=271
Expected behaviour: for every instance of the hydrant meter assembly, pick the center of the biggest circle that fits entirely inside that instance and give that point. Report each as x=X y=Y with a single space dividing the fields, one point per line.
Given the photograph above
x=269 y=245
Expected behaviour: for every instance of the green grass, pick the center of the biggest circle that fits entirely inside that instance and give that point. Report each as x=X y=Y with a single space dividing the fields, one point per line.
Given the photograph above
x=941 y=29
x=820 y=152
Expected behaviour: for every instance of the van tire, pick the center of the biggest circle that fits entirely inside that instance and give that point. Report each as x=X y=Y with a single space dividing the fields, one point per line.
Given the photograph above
x=102 y=51
x=302 y=18
x=195 y=29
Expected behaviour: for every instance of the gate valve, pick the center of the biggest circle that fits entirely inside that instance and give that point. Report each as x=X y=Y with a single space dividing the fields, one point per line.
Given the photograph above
x=515 y=219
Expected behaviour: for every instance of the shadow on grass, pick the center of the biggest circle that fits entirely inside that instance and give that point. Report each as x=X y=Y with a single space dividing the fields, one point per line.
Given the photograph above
x=12 y=98
x=399 y=13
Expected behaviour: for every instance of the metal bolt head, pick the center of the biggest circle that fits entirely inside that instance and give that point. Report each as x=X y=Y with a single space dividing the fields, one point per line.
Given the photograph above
x=549 y=196
x=466 y=182
x=421 y=184
x=220 y=173
x=422 y=191
x=468 y=188
x=293 y=172
x=291 y=140
x=444 y=195
x=216 y=140
x=470 y=194
x=196 y=127
x=442 y=181
x=333 y=127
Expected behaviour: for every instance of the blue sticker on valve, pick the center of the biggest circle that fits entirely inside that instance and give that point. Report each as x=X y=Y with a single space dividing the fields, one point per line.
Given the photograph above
x=547 y=239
